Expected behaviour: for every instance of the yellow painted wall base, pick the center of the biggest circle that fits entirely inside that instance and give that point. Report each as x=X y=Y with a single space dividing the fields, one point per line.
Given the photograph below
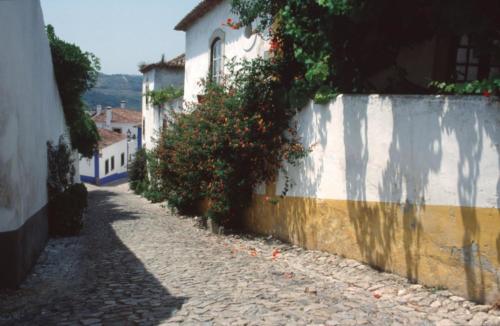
x=454 y=247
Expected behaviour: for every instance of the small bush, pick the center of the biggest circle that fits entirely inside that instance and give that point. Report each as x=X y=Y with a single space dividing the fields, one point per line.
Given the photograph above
x=67 y=200
x=137 y=172
x=66 y=211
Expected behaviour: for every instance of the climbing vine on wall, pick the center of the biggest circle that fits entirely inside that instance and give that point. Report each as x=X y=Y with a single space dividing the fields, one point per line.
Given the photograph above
x=165 y=95
x=76 y=72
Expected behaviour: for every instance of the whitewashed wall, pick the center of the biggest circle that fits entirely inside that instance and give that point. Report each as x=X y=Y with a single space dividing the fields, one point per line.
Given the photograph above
x=30 y=111
x=87 y=167
x=198 y=38
x=430 y=150
x=115 y=150
x=157 y=79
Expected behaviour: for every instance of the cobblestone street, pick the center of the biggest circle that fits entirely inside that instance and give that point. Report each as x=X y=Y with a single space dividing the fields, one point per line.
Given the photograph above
x=135 y=263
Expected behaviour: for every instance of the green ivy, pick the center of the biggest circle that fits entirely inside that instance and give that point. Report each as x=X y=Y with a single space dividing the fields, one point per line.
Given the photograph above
x=165 y=95
x=76 y=72
x=486 y=87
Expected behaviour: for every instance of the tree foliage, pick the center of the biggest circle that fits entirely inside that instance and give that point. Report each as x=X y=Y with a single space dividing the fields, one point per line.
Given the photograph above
x=76 y=72
x=237 y=137
x=335 y=46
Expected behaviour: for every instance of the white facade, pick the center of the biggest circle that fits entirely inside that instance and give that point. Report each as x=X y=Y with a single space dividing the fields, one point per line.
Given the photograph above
x=199 y=37
x=113 y=156
x=423 y=150
x=30 y=112
x=153 y=117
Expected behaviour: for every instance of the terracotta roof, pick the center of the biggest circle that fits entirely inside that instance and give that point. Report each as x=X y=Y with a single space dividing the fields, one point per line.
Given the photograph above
x=175 y=63
x=199 y=11
x=109 y=137
x=120 y=116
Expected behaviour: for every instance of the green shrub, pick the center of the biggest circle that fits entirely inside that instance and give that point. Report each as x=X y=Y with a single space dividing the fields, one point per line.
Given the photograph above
x=137 y=172
x=66 y=211
x=236 y=138
x=67 y=200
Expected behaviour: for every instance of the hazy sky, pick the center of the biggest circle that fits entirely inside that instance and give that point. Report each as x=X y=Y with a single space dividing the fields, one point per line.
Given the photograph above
x=122 y=33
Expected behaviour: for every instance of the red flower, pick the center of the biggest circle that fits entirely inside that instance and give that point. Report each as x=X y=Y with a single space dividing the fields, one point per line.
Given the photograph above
x=229 y=21
x=486 y=93
x=274 y=45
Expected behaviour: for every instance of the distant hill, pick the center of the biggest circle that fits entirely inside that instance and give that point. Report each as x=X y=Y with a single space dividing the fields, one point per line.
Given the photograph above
x=111 y=89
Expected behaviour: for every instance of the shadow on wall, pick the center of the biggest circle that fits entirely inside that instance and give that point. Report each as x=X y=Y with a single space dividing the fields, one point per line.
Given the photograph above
x=413 y=155
x=410 y=208
x=470 y=129
x=109 y=280
x=395 y=226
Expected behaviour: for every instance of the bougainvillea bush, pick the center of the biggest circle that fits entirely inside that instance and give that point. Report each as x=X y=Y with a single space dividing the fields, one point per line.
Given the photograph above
x=237 y=137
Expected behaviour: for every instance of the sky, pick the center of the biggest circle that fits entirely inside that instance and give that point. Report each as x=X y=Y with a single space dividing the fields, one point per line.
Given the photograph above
x=121 y=33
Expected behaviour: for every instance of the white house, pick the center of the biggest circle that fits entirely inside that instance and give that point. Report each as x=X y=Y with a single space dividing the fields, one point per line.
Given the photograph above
x=121 y=120
x=121 y=137
x=209 y=43
x=31 y=114
x=157 y=76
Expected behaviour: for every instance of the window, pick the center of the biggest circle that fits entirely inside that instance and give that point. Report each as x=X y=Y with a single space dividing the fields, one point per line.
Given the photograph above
x=470 y=66
x=118 y=130
x=147 y=94
x=216 y=60
x=112 y=163
x=143 y=126
x=106 y=167
x=123 y=159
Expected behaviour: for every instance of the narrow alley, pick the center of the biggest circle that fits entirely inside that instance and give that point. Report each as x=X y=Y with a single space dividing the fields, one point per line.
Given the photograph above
x=137 y=264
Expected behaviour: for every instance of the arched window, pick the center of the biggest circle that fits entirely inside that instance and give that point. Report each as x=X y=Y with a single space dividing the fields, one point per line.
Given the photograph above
x=216 y=60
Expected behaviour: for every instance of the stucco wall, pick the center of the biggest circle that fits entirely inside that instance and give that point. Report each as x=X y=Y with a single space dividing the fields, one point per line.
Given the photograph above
x=30 y=112
x=198 y=38
x=157 y=79
x=87 y=167
x=115 y=151
x=410 y=184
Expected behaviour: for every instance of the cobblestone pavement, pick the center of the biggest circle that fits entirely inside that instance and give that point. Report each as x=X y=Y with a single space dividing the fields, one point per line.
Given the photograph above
x=135 y=263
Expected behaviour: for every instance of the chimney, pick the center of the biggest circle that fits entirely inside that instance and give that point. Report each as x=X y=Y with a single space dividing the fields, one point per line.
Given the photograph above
x=123 y=104
x=109 y=117
x=98 y=109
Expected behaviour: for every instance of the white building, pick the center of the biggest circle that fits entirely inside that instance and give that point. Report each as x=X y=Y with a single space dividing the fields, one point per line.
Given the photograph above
x=121 y=120
x=209 y=44
x=31 y=114
x=157 y=76
x=121 y=137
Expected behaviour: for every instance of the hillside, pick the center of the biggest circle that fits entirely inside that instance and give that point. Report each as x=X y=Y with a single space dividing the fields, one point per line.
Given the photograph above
x=111 y=89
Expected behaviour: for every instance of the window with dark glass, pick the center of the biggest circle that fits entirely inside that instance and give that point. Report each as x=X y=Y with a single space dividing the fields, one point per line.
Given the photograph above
x=216 y=60
x=123 y=159
x=112 y=163
x=106 y=167
x=470 y=65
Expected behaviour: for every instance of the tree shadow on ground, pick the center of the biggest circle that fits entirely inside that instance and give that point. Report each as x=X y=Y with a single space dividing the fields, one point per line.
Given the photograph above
x=109 y=283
